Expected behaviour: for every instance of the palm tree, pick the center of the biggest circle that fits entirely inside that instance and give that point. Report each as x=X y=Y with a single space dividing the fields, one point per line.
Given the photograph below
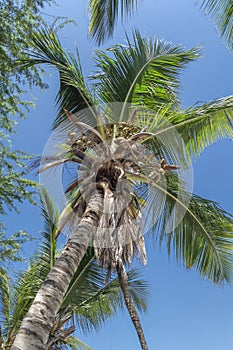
x=104 y=15
x=116 y=173
x=88 y=302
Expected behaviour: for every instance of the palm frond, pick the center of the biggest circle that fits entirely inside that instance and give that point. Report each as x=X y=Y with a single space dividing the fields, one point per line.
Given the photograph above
x=178 y=135
x=77 y=344
x=221 y=12
x=4 y=300
x=139 y=289
x=93 y=301
x=104 y=15
x=201 y=126
x=73 y=93
x=144 y=73
x=203 y=238
x=48 y=248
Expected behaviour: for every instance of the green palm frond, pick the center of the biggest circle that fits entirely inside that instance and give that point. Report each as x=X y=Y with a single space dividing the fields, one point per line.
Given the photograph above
x=203 y=125
x=93 y=301
x=144 y=73
x=104 y=15
x=138 y=289
x=221 y=12
x=48 y=248
x=195 y=127
x=73 y=93
x=203 y=239
x=4 y=299
x=76 y=344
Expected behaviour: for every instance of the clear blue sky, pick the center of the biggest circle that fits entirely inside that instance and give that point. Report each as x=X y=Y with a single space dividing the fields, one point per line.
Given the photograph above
x=184 y=312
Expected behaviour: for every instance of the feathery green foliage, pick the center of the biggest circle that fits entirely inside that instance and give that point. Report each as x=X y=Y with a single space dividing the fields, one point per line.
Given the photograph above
x=203 y=125
x=104 y=15
x=76 y=344
x=89 y=301
x=15 y=17
x=93 y=301
x=4 y=298
x=144 y=73
x=203 y=239
x=14 y=187
x=221 y=13
x=73 y=92
x=199 y=126
x=10 y=246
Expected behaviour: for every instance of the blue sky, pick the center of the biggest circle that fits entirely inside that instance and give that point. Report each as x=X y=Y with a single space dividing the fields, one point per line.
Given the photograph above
x=184 y=312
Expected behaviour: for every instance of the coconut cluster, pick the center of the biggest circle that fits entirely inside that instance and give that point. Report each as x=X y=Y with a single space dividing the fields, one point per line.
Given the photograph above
x=89 y=139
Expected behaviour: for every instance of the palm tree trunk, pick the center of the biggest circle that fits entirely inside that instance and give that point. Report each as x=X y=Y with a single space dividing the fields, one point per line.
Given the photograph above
x=38 y=322
x=123 y=280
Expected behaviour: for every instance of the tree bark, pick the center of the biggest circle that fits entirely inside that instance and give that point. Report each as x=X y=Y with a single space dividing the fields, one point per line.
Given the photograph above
x=123 y=280
x=38 y=322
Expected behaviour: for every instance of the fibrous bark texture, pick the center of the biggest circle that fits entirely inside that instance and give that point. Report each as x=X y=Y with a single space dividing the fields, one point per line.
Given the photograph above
x=38 y=322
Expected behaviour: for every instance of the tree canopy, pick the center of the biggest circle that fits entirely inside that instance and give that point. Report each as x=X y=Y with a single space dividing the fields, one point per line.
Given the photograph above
x=133 y=101
x=16 y=16
x=104 y=15
x=145 y=73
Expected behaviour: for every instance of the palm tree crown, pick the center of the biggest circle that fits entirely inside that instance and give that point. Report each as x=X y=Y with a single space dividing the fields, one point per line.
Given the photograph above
x=145 y=75
x=126 y=138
